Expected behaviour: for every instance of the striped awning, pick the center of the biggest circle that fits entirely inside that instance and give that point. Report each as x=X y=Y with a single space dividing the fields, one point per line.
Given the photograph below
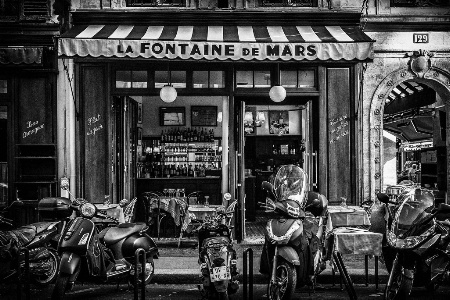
x=218 y=42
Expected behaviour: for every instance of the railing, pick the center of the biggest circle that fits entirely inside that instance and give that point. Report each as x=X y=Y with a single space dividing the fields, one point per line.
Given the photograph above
x=147 y=3
x=299 y=3
x=423 y=3
x=25 y=10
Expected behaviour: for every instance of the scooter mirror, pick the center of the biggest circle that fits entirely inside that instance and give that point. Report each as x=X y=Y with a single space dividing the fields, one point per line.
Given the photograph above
x=383 y=198
x=268 y=187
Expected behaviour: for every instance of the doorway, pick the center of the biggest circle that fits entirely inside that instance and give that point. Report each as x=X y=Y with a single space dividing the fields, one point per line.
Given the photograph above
x=273 y=134
x=414 y=138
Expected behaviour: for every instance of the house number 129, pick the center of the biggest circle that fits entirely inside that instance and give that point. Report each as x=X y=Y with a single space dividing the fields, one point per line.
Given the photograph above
x=420 y=38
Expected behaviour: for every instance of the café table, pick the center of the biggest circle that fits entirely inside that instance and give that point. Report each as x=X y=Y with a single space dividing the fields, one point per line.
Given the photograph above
x=347 y=233
x=173 y=205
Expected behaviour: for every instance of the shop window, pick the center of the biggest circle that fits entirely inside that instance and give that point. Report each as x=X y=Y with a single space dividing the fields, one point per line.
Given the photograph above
x=297 y=78
x=177 y=79
x=156 y=3
x=415 y=3
x=3 y=86
x=208 y=79
x=301 y=3
x=253 y=79
x=131 y=79
x=25 y=9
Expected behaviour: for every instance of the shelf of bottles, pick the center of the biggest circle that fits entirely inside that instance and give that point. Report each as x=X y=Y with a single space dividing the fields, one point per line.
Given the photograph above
x=186 y=152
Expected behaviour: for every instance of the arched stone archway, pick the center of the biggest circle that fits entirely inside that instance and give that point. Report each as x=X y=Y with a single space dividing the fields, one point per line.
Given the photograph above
x=435 y=78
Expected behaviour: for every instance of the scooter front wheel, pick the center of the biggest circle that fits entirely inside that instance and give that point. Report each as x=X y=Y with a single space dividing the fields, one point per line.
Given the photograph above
x=48 y=270
x=400 y=282
x=59 y=292
x=285 y=281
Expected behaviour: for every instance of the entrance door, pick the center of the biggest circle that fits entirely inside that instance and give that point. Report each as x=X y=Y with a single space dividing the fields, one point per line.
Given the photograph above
x=310 y=157
x=125 y=140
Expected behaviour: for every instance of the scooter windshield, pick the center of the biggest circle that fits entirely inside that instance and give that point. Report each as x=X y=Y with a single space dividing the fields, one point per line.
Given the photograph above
x=416 y=206
x=291 y=183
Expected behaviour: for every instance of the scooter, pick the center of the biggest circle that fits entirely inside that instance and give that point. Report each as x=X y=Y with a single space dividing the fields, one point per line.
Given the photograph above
x=217 y=257
x=293 y=253
x=420 y=235
x=109 y=255
x=40 y=239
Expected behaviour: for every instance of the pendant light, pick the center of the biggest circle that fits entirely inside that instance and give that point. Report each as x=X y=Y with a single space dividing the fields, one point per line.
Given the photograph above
x=277 y=92
x=168 y=93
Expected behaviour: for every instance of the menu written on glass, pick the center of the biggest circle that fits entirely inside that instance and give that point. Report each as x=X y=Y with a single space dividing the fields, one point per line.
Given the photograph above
x=204 y=115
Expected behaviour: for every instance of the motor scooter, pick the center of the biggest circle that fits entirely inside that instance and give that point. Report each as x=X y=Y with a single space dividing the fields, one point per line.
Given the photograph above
x=109 y=255
x=293 y=253
x=40 y=239
x=217 y=257
x=420 y=235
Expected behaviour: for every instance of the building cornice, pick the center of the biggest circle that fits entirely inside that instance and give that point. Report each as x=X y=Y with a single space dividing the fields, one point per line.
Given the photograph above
x=217 y=17
x=389 y=23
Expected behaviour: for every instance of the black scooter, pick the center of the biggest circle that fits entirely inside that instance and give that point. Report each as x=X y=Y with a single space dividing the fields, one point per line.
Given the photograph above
x=109 y=255
x=419 y=234
x=40 y=239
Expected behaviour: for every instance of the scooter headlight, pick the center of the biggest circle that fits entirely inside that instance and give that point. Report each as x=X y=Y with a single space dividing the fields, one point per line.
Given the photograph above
x=88 y=210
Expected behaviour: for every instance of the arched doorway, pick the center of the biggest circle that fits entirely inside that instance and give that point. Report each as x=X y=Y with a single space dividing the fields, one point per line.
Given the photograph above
x=433 y=80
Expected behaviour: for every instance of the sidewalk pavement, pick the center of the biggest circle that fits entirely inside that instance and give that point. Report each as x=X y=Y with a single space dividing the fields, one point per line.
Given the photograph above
x=181 y=266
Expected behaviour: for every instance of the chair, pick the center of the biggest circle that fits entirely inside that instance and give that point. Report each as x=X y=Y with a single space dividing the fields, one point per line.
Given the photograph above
x=151 y=197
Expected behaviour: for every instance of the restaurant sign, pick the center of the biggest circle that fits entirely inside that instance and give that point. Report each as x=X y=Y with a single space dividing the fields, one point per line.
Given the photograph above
x=415 y=146
x=213 y=50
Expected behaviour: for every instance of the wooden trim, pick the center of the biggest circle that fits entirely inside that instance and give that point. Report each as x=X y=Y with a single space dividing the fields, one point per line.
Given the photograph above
x=323 y=133
x=214 y=17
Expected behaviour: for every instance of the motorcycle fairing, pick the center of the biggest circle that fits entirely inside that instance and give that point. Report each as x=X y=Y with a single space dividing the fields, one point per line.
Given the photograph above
x=290 y=255
x=69 y=262
x=282 y=231
x=74 y=238
x=425 y=246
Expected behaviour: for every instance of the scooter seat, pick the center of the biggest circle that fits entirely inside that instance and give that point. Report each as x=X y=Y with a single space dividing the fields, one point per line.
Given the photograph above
x=115 y=234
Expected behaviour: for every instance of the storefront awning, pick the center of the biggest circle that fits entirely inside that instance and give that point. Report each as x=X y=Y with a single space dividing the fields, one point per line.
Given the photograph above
x=218 y=42
x=21 y=55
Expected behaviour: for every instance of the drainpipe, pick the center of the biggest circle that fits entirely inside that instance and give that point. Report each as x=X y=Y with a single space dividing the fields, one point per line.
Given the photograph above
x=225 y=129
x=66 y=124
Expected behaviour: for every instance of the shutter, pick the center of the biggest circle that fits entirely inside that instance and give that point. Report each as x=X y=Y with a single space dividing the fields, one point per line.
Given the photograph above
x=36 y=8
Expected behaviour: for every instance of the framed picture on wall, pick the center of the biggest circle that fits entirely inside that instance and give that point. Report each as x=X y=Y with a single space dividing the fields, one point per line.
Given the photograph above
x=204 y=116
x=172 y=116
x=139 y=113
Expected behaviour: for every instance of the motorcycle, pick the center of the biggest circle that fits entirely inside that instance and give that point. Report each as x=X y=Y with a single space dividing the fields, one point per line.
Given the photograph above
x=294 y=253
x=40 y=239
x=217 y=257
x=419 y=233
x=90 y=255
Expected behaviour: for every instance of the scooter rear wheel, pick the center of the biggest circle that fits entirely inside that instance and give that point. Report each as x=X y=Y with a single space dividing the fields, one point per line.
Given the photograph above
x=286 y=280
x=48 y=277
x=59 y=292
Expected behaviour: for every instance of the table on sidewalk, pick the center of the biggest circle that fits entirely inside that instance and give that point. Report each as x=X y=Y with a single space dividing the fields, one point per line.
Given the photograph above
x=347 y=233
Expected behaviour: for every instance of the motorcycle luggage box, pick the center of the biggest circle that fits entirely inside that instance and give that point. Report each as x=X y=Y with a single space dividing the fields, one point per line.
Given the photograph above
x=54 y=208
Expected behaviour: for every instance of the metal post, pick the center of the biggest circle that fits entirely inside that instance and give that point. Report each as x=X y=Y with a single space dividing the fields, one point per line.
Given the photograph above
x=376 y=273
x=248 y=259
x=26 y=253
x=136 y=273
x=366 y=265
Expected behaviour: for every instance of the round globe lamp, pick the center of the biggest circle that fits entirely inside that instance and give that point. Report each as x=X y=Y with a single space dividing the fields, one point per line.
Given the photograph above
x=277 y=93
x=168 y=93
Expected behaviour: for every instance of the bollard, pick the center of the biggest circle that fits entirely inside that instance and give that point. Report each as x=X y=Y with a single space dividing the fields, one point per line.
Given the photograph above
x=26 y=276
x=248 y=269
x=136 y=273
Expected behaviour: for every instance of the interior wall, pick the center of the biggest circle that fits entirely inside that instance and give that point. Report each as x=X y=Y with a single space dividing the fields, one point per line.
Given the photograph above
x=294 y=118
x=151 y=107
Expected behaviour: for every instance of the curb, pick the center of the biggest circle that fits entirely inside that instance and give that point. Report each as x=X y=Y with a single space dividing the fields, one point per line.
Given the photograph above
x=188 y=276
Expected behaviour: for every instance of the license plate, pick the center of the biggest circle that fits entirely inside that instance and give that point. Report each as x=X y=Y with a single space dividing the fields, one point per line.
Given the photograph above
x=220 y=273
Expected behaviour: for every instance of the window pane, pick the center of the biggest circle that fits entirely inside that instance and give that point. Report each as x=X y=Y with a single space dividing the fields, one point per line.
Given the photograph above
x=217 y=79
x=306 y=78
x=123 y=79
x=244 y=79
x=161 y=79
x=178 y=79
x=3 y=86
x=200 y=79
x=288 y=79
x=262 y=79
x=139 y=79
x=3 y=154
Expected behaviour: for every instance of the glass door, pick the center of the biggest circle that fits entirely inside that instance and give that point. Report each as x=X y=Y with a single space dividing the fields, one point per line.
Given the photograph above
x=125 y=139
x=3 y=155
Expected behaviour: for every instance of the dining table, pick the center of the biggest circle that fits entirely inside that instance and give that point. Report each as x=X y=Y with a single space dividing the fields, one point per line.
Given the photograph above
x=347 y=233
